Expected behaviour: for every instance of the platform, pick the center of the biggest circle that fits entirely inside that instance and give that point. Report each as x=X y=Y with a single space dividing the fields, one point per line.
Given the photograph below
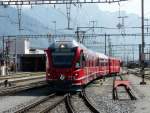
x=143 y=94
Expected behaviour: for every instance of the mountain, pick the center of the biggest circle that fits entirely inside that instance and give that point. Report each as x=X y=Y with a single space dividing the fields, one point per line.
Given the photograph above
x=10 y=26
x=29 y=25
x=40 y=20
x=81 y=15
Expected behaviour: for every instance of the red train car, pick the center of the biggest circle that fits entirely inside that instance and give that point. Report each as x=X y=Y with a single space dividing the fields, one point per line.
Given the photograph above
x=114 y=65
x=69 y=63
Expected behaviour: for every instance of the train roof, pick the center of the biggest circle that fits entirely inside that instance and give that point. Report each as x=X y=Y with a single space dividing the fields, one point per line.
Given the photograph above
x=113 y=58
x=101 y=55
x=72 y=43
x=69 y=43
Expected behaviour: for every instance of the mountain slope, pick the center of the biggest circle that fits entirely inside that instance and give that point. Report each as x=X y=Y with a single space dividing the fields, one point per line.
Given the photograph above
x=10 y=26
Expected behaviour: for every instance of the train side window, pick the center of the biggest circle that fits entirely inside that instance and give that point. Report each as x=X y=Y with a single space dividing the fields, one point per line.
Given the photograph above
x=97 y=62
x=106 y=63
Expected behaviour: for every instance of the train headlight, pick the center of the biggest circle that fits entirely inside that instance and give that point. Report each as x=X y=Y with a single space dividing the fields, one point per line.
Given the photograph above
x=76 y=74
x=62 y=46
x=62 y=77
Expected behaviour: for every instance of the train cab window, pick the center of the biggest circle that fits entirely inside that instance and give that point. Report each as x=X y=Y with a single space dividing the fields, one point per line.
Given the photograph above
x=59 y=58
x=81 y=63
x=82 y=60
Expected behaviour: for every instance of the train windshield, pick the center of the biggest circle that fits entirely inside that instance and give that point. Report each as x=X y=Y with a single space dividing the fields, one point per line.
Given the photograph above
x=62 y=58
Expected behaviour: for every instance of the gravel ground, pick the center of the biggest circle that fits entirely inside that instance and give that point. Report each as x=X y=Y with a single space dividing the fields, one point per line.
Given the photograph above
x=45 y=104
x=101 y=96
x=21 y=99
x=79 y=105
x=143 y=93
x=59 y=109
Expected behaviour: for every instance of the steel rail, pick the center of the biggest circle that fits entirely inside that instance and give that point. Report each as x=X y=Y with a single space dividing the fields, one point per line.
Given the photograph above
x=88 y=103
x=16 y=89
x=131 y=94
x=49 y=108
x=30 y=106
x=22 y=79
x=69 y=106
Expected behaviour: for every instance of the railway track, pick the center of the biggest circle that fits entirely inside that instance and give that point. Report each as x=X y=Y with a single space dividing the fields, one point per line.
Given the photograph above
x=14 y=89
x=85 y=100
x=68 y=103
x=15 y=85
x=127 y=90
x=88 y=102
x=47 y=104
x=14 y=81
x=137 y=73
x=21 y=75
x=43 y=105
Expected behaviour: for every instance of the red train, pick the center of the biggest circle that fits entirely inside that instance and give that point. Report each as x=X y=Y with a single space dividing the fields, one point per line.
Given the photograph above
x=69 y=64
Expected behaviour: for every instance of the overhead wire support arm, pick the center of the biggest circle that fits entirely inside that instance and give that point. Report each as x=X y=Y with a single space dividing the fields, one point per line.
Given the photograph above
x=71 y=35
x=38 y=2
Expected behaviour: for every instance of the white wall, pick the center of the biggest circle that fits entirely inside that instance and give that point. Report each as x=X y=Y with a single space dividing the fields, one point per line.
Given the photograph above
x=22 y=46
x=18 y=44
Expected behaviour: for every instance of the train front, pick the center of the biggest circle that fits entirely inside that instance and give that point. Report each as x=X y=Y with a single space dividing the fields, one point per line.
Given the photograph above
x=61 y=57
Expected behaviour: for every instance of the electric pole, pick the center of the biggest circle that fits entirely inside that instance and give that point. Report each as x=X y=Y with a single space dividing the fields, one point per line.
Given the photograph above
x=54 y=30
x=143 y=44
x=68 y=8
x=105 y=44
x=93 y=26
x=80 y=35
x=19 y=8
x=109 y=46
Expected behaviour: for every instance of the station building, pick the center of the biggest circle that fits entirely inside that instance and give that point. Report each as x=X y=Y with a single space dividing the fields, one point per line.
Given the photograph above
x=25 y=57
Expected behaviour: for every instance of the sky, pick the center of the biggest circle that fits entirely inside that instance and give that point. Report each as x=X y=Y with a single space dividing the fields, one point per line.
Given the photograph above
x=130 y=6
